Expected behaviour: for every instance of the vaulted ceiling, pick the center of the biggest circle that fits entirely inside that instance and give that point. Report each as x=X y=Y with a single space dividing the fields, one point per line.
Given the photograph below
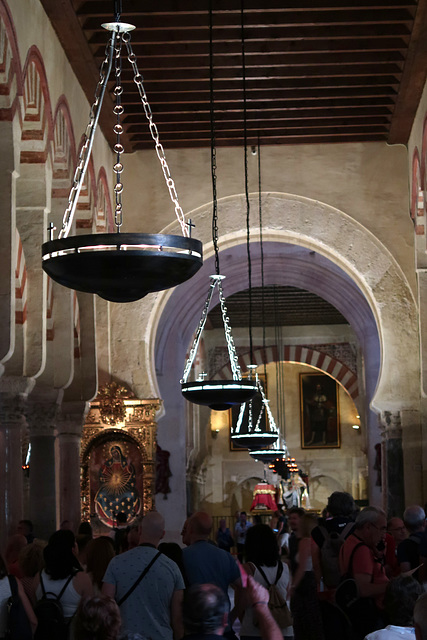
x=316 y=71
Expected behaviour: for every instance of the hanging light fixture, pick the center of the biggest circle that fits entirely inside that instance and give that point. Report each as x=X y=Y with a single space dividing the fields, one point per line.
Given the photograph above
x=274 y=453
x=255 y=437
x=120 y=267
x=219 y=395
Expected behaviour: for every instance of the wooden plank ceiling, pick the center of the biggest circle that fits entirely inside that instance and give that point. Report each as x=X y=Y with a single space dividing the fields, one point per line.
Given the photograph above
x=316 y=71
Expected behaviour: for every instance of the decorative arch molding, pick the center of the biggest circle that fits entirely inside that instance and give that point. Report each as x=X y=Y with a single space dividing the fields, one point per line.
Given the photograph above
x=64 y=150
x=37 y=126
x=10 y=65
x=302 y=355
x=322 y=229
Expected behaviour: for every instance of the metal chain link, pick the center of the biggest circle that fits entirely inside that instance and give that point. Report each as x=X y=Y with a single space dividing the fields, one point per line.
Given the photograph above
x=235 y=368
x=118 y=130
x=84 y=155
x=200 y=328
x=155 y=135
x=266 y=404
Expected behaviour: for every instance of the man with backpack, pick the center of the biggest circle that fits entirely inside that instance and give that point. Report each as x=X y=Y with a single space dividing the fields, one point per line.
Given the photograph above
x=328 y=538
x=147 y=585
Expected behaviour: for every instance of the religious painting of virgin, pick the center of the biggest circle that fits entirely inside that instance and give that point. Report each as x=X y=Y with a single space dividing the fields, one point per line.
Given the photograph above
x=258 y=413
x=319 y=404
x=116 y=481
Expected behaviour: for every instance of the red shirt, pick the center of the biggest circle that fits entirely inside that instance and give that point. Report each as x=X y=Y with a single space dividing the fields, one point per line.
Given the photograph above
x=363 y=562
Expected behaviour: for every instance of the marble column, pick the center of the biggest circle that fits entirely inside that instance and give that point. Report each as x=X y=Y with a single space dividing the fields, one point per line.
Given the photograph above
x=392 y=464
x=41 y=418
x=13 y=393
x=69 y=427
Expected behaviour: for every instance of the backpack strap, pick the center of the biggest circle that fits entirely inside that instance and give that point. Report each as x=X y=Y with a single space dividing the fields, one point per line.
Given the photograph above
x=279 y=571
x=13 y=586
x=136 y=583
x=61 y=593
x=263 y=575
x=278 y=574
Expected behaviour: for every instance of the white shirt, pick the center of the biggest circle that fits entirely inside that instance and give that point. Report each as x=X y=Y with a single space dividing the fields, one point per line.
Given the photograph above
x=392 y=633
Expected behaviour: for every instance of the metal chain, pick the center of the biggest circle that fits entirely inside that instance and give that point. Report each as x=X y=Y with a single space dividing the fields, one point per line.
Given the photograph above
x=118 y=130
x=265 y=402
x=200 y=328
x=235 y=368
x=137 y=78
x=83 y=160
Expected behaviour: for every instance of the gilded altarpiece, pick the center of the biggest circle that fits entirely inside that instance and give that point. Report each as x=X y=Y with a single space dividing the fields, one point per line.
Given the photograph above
x=118 y=457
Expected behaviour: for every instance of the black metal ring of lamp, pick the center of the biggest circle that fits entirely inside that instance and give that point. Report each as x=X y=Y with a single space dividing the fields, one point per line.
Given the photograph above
x=120 y=267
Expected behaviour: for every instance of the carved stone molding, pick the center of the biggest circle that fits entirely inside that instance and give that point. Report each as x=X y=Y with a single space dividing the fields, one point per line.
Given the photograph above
x=41 y=418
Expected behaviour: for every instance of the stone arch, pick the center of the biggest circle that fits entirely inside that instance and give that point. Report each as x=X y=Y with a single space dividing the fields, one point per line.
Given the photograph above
x=10 y=64
x=304 y=355
x=351 y=249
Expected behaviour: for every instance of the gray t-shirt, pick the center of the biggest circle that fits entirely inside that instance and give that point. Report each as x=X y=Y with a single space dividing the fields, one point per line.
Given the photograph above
x=147 y=609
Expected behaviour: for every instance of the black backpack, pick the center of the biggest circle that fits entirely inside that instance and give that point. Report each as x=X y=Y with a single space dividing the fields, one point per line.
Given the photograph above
x=51 y=623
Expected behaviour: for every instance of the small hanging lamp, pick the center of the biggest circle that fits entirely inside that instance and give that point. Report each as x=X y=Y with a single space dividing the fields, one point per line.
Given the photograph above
x=255 y=437
x=219 y=395
x=120 y=267
x=277 y=451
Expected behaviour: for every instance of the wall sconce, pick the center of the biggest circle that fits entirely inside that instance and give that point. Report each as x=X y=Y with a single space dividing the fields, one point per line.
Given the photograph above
x=214 y=433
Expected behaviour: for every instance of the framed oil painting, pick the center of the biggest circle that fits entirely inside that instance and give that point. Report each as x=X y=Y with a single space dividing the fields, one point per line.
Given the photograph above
x=256 y=408
x=319 y=405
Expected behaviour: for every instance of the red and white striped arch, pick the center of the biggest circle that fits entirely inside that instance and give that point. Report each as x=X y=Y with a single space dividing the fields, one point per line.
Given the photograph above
x=302 y=355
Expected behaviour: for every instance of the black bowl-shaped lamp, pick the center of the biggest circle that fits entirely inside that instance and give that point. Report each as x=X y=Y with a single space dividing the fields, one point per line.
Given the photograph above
x=122 y=267
x=254 y=440
x=219 y=395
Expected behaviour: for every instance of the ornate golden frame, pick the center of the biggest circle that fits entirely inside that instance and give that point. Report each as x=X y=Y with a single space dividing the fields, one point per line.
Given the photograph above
x=116 y=413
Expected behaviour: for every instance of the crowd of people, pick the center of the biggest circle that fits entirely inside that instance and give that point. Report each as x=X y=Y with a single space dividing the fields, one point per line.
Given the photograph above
x=347 y=574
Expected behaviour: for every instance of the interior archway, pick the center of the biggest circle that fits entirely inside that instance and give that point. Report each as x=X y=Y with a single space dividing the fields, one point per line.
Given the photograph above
x=306 y=244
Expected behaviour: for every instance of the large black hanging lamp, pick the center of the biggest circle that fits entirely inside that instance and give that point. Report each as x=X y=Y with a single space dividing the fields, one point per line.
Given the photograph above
x=121 y=267
x=219 y=395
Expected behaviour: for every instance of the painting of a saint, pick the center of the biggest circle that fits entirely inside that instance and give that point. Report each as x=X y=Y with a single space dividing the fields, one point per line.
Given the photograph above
x=117 y=493
x=319 y=411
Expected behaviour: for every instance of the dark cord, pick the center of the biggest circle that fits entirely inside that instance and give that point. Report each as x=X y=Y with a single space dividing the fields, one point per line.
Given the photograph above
x=117 y=10
x=248 y=210
x=213 y=144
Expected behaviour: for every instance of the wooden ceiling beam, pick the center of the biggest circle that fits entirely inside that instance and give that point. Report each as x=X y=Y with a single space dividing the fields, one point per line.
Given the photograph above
x=328 y=32
x=145 y=51
x=261 y=73
x=276 y=19
x=189 y=7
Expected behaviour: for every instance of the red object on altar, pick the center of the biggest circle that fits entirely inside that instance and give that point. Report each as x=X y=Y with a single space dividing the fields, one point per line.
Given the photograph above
x=264 y=495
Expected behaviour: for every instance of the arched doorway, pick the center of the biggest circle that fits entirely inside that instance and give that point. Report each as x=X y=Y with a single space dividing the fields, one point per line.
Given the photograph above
x=311 y=245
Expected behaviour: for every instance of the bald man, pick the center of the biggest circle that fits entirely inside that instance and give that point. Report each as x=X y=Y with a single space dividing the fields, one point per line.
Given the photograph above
x=206 y=563
x=154 y=607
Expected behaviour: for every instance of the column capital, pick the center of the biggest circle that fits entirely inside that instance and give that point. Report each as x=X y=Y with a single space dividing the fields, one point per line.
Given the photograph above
x=41 y=417
x=71 y=418
x=13 y=395
x=391 y=424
